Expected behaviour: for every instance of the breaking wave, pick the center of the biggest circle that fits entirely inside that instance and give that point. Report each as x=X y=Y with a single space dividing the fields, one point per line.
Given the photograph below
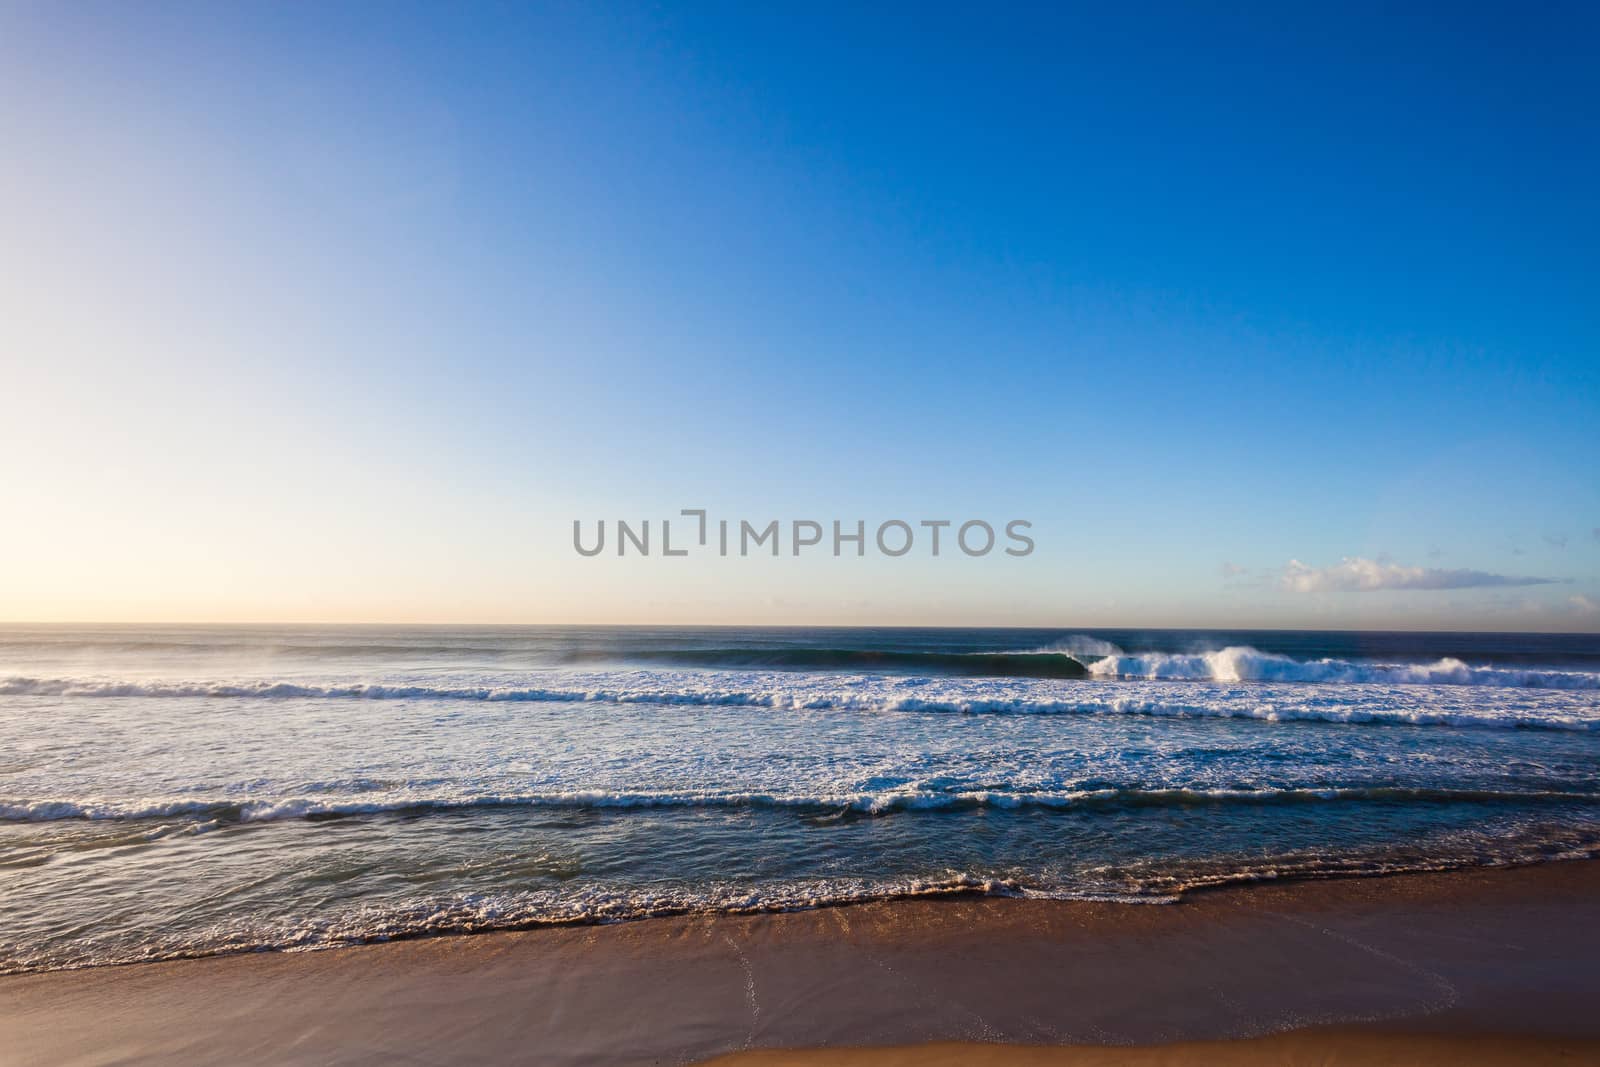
x=1546 y=709
x=1244 y=664
x=223 y=811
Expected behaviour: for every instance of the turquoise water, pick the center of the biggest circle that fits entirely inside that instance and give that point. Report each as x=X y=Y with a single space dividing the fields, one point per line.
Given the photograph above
x=182 y=791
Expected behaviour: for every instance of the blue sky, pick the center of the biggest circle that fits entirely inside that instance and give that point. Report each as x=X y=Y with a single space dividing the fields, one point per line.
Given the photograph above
x=347 y=311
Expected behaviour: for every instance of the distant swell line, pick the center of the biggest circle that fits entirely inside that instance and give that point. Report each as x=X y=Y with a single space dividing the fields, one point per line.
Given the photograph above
x=1042 y=664
x=1103 y=703
x=237 y=811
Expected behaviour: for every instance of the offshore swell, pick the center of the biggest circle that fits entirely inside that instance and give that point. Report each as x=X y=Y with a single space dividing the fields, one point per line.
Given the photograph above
x=185 y=791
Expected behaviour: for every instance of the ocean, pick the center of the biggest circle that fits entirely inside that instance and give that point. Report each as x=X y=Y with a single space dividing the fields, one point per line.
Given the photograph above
x=181 y=791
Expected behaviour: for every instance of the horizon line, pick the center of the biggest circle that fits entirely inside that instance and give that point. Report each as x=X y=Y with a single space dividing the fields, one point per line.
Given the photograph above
x=6 y=623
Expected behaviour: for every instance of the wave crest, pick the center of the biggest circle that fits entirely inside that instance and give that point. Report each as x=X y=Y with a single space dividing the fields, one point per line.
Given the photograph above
x=1045 y=663
x=1240 y=663
x=221 y=811
x=827 y=693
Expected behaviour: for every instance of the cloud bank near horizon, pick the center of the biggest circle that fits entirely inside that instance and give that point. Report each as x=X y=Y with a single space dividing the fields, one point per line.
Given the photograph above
x=1358 y=575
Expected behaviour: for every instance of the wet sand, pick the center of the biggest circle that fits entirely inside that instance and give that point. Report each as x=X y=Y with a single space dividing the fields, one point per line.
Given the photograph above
x=1322 y=1048
x=1400 y=969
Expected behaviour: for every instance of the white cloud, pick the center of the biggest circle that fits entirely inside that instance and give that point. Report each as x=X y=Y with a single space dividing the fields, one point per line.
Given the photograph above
x=1357 y=575
x=1584 y=605
x=1232 y=570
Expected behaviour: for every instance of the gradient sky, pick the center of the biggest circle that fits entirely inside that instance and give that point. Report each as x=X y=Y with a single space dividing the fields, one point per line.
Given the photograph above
x=324 y=312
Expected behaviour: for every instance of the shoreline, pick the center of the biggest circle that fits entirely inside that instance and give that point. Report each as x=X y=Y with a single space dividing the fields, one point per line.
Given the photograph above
x=1508 y=952
x=942 y=895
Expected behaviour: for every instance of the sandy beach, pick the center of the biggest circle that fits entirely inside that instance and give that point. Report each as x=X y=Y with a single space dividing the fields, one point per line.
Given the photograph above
x=1483 y=966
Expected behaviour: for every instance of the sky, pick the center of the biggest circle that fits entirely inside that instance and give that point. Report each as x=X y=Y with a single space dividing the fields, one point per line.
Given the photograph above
x=346 y=312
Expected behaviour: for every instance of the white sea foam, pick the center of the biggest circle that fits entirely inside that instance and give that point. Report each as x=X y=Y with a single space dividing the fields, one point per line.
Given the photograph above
x=1244 y=664
x=325 y=928
x=458 y=914
x=238 y=810
x=1543 y=699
